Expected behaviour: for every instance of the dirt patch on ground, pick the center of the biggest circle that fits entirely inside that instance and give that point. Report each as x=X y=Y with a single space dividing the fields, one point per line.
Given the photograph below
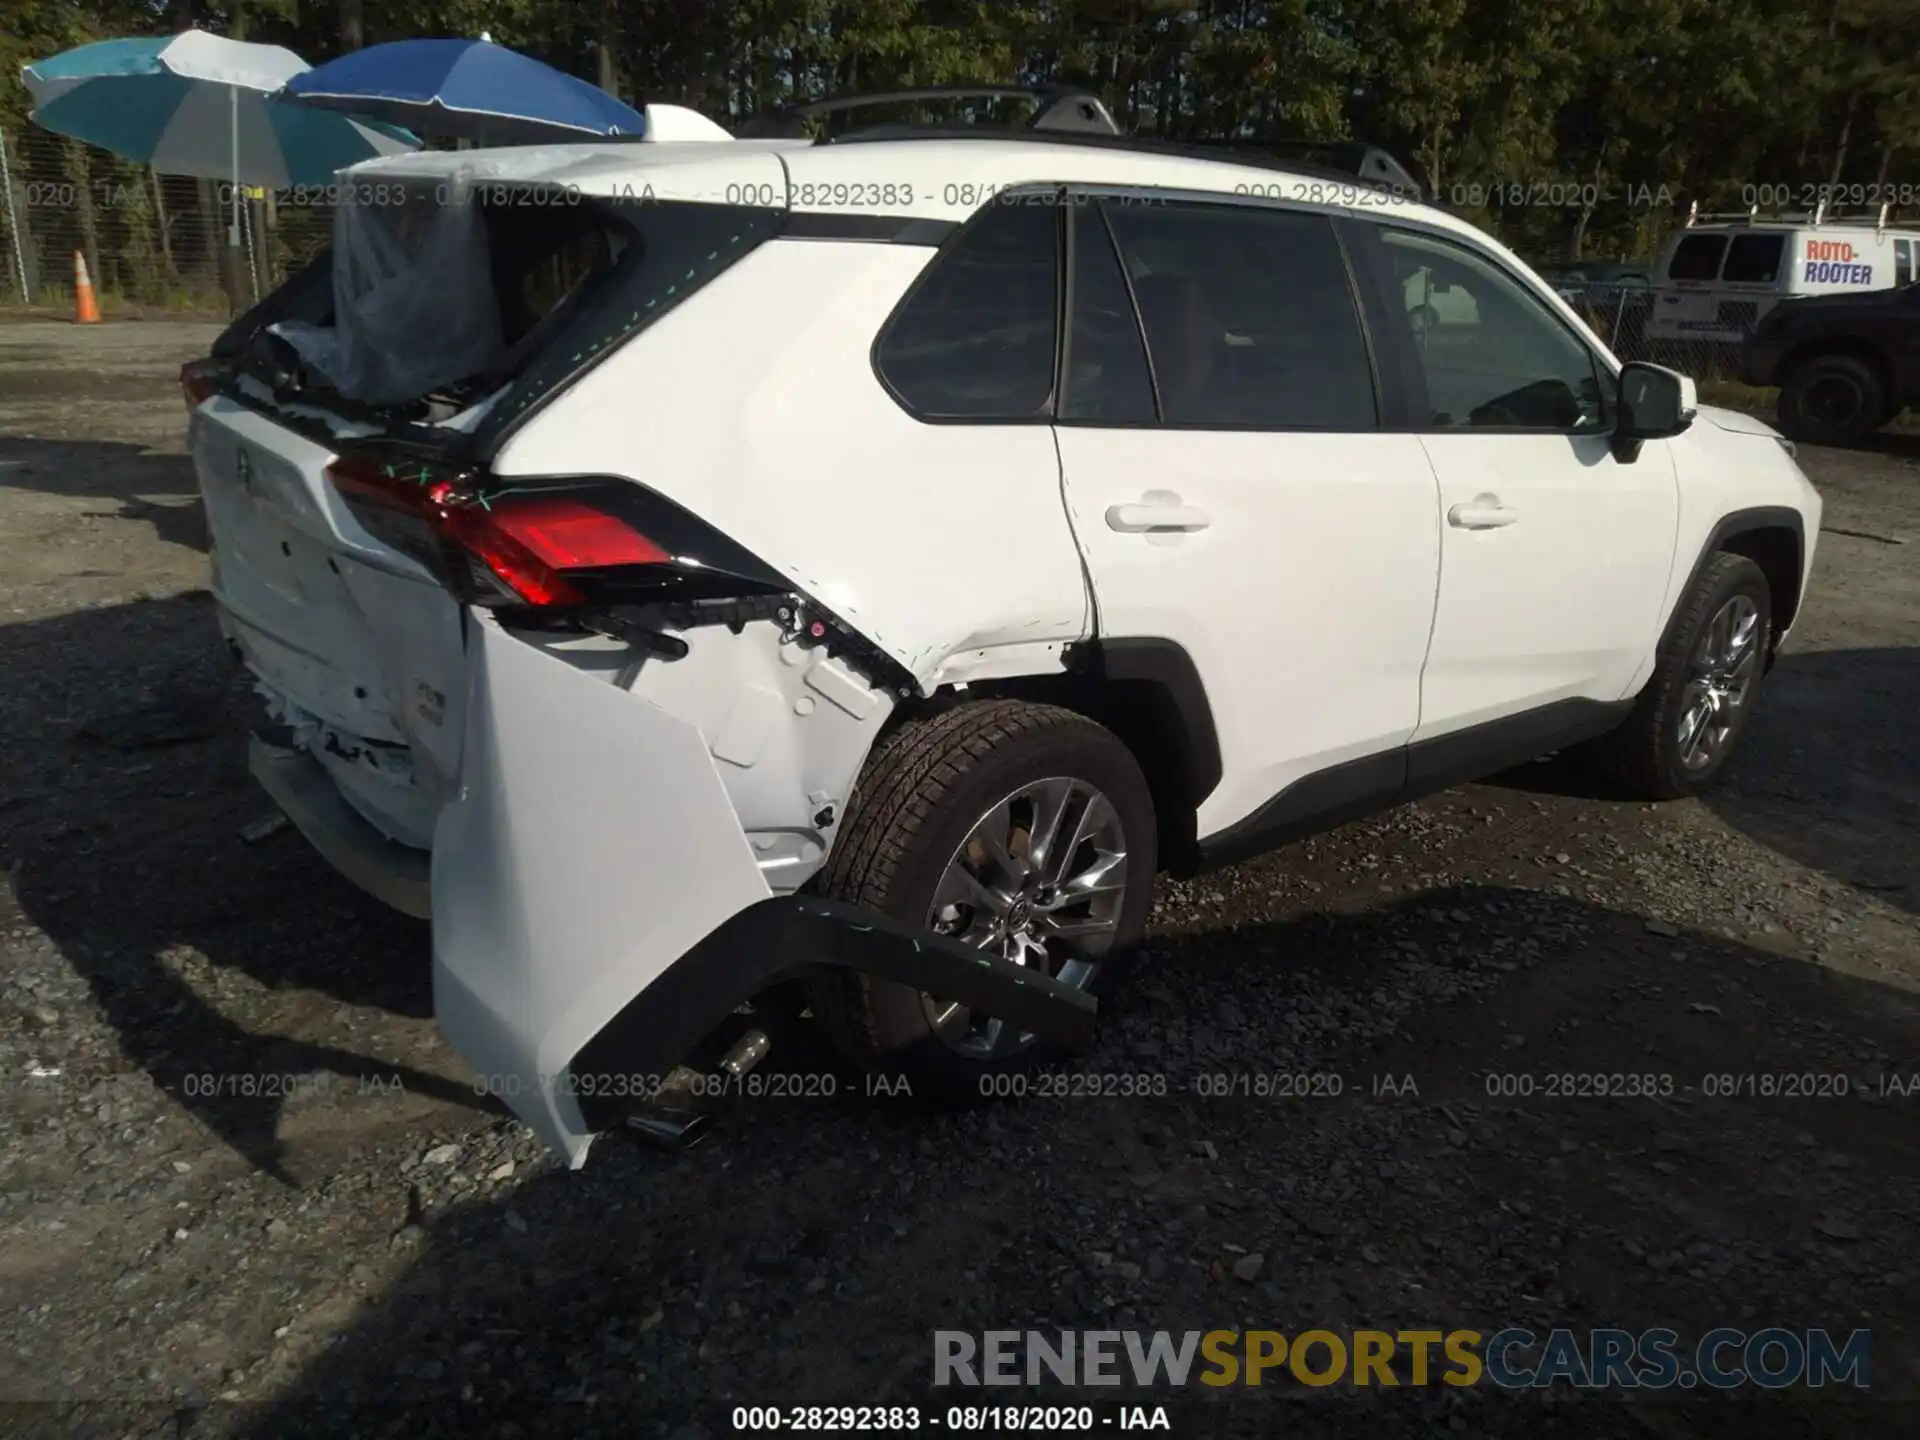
x=243 y=1184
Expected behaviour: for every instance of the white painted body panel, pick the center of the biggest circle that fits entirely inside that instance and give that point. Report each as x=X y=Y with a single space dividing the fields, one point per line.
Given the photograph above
x=1561 y=603
x=590 y=846
x=1727 y=461
x=338 y=626
x=758 y=410
x=1305 y=601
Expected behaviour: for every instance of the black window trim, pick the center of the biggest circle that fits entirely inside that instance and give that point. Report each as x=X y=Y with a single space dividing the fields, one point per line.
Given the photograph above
x=1039 y=192
x=1385 y=402
x=1412 y=378
x=1070 y=259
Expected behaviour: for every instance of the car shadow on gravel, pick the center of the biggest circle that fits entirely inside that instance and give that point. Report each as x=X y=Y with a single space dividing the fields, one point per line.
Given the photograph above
x=806 y=1252
x=1828 y=775
x=116 y=471
x=127 y=794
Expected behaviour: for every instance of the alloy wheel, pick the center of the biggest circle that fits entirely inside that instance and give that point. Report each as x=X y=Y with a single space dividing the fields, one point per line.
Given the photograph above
x=1040 y=880
x=1720 y=679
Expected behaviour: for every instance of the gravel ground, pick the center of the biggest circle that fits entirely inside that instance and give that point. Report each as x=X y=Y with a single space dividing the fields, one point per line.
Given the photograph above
x=349 y=1239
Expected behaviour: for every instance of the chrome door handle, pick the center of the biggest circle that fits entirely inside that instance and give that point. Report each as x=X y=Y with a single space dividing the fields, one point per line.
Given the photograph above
x=1156 y=511
x=1483 y=512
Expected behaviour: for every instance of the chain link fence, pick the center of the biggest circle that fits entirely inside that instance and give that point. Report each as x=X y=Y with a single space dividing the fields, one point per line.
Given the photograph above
x=151 y=241
x=1624 y=318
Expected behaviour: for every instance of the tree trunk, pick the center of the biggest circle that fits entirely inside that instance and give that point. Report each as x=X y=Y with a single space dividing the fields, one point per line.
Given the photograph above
x=162 y=224
x=1846 y=136
x=353 y=24
x=80 y=168
x=608 y=45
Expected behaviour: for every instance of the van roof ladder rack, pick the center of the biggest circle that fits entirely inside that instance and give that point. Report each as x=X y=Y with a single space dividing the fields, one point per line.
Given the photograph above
x=1819 y=215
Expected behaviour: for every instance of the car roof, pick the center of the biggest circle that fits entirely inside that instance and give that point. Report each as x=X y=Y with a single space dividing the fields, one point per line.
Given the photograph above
x=933 y=177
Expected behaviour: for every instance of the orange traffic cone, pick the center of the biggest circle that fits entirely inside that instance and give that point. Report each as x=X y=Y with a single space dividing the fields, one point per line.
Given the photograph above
x=86 y=310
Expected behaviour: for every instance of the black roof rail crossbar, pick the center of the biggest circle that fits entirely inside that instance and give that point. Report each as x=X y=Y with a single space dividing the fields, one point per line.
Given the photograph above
x=1258 y=155
x=1059 y=108
x=1358 y=158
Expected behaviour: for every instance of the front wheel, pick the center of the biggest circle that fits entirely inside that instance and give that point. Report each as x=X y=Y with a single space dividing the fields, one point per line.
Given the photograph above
x=1696 y=707
x=1023 y=829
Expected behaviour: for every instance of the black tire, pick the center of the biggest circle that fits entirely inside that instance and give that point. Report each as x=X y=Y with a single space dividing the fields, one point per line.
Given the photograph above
x=918 y=799
x=1644 y=756
x=1832 y=400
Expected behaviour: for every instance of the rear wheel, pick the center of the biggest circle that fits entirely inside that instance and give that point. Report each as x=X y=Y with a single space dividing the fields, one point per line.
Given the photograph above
x=1022 y=829
x=1831 y=400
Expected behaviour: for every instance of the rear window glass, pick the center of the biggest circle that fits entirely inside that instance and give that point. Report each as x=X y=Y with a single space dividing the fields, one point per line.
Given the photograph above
x=1754 y=259
x=437 y=295
x=662 y=252
x=1697 y=257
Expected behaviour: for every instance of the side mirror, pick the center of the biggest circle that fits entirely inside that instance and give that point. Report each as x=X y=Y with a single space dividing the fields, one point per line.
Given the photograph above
x=1655 y=403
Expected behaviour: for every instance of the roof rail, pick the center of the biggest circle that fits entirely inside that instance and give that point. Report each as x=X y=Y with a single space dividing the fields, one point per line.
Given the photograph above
x=1254 y=155
x=1058 y=109
x=1819 y=215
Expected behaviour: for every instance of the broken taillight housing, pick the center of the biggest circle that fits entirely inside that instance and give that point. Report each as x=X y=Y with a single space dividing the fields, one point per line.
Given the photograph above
x=598 y=553
x=549 y=544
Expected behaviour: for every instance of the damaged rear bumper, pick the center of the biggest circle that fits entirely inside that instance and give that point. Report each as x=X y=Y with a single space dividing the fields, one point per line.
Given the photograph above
x=598 y=909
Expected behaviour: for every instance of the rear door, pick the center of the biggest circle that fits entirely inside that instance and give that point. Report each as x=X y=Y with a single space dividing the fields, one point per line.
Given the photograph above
x=1236 y=488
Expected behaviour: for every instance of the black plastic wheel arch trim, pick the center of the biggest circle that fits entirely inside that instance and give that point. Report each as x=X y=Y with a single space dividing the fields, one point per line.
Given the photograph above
x=1166 y=664
x=788 y=934
x=1744 y=522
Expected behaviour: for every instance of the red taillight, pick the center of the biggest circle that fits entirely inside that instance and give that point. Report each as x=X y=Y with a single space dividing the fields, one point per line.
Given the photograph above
x=570 y=536
x=527 y=544
x=198 y=380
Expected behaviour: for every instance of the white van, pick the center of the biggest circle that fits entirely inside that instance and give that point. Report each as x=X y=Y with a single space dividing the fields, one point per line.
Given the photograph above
x=1721 y=274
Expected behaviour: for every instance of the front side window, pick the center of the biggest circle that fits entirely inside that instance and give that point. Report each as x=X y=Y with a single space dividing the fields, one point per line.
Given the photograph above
x=1491 y=353
x=1902 y=262
x=1697 y=257
x=1249 y=317
x=975 y=338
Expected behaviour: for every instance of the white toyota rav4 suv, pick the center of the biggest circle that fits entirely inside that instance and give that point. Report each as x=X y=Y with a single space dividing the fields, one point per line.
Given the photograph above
x=681 y=566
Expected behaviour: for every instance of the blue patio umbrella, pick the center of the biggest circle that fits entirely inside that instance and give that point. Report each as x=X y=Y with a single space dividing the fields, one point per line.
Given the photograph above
x=465 y=89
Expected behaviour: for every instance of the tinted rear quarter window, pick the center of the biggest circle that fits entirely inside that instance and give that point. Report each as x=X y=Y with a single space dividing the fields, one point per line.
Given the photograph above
x=976 y=336
x=1697 y=257
x=1249 y=316
x=1754 y=259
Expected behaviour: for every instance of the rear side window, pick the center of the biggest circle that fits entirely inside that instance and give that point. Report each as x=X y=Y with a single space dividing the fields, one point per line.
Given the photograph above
x=1754 y=259
x=1902 y=262
x=1249 y=317
x=1697 y=257
x=976 y=336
